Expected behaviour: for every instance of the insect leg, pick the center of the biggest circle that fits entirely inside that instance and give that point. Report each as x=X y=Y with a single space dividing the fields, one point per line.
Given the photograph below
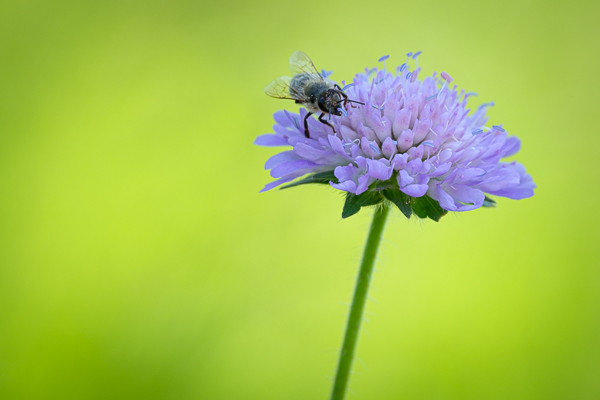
x=325 y=122
x=306 y=133
x=345 y=96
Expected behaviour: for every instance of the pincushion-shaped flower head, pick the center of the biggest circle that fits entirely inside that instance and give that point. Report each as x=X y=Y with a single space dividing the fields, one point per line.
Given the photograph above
x=413 y=142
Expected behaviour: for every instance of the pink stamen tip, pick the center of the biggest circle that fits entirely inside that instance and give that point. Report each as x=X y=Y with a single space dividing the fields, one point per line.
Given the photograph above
x=446 y=77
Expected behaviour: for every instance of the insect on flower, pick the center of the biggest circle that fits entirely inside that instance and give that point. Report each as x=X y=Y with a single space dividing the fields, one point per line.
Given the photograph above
x=414 y=142
x=309 y=88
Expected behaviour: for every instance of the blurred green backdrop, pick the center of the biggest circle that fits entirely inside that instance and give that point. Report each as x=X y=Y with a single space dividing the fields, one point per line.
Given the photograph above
x=139 y=261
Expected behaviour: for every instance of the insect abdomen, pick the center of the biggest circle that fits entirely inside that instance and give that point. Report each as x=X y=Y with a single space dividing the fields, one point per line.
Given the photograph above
x=298 y=84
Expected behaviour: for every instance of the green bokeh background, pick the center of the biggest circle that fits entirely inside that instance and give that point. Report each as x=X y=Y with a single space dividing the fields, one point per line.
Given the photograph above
x=139 y=261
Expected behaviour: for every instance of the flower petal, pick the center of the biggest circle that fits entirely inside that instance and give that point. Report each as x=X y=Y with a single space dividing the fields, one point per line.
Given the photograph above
x=378 y=170
x=318 y=156
x=415 y=190
x=446 y=201
x=440 y=170
x=270 y=140
x=388 y=148
x=421 y=130
x=338 y=147
x=399 y=161
x=276 y=183
x=280 y=158
x=290 y=167
x=345 y=173
x=347 y=186
x=285 y=118
x=405 y=140
x=511 y=147
x=522 y=190
x=363 y=183
x=404 y=179
x=401 y=122
x=465 y=197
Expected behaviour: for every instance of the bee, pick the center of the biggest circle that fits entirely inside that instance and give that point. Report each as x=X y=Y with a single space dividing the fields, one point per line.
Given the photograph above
x=309 y=88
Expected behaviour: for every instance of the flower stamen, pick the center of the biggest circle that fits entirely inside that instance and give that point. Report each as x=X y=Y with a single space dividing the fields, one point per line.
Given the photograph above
x=347 y=86
x=447 y=79
x=416 y=58
x=375 y=149
x=383 y=59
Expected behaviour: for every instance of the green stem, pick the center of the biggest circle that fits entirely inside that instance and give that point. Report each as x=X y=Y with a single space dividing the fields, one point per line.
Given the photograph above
x=358 y=303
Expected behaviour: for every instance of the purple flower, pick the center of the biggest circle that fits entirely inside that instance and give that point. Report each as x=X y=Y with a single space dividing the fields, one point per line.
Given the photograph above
x=412 y=139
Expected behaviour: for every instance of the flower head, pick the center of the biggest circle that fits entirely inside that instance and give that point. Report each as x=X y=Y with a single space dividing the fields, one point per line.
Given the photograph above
x=413 y=142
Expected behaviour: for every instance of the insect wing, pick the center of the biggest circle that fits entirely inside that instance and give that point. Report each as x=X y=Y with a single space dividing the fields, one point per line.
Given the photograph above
x=300 y=63
x=280 y=88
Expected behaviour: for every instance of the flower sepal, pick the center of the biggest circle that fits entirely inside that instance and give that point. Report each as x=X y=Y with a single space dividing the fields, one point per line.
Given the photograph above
x=400 y=199
x=354 y=202
x=321 y=177
x=488 y=202
x=426 y=207
x=423 y=207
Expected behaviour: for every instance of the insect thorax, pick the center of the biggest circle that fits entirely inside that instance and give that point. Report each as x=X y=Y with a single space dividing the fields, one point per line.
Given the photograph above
x=307 y=86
